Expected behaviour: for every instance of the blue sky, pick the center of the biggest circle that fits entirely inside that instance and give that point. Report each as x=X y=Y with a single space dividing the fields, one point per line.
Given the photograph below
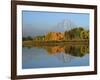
x=36 y=23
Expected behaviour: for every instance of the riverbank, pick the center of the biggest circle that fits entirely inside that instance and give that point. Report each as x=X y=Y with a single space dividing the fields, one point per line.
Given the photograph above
x=54 y=43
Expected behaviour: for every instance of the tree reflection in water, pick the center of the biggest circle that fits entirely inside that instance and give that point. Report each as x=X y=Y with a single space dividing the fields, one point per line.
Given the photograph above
x=64 y=52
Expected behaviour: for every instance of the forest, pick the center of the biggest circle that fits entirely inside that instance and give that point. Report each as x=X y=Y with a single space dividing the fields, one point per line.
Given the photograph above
x=75 y=34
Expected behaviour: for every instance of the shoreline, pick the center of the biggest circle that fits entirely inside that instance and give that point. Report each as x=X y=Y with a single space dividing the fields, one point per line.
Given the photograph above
x=54 y=43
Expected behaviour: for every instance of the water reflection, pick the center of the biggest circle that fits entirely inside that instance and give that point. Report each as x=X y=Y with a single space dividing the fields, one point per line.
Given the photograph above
x=74 y=50
x=59 y=55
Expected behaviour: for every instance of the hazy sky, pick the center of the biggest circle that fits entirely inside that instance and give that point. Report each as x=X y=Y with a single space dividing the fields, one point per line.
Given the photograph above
x=37 y=23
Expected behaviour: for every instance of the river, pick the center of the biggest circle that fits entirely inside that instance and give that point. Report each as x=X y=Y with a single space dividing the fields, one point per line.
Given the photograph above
x=52 y=56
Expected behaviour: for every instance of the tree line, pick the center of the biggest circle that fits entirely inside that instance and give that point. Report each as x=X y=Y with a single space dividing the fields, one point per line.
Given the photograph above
x=73 y=34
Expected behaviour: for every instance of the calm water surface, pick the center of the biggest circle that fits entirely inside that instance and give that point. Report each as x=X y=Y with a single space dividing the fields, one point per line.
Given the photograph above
x=55 y=56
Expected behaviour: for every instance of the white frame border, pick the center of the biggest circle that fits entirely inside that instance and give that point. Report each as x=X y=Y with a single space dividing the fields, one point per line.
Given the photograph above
x=52 y=70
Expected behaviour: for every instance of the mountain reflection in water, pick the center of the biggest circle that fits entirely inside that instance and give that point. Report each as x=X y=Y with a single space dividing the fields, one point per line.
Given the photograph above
x=65 y=53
